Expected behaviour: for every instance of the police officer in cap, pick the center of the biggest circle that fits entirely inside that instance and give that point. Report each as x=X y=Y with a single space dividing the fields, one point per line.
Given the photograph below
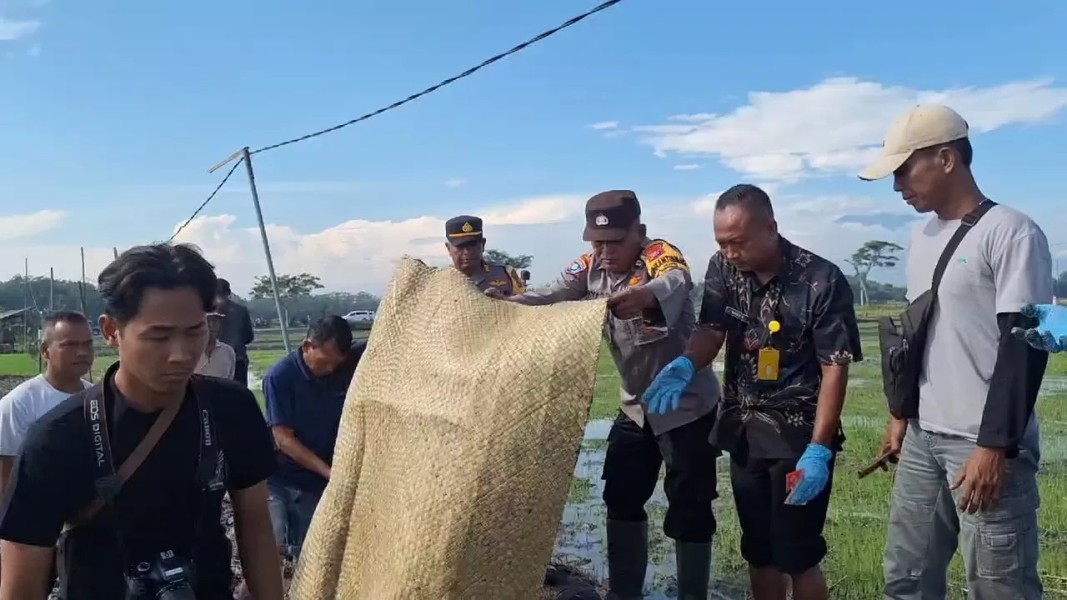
x=647 y=284
x=466 y=248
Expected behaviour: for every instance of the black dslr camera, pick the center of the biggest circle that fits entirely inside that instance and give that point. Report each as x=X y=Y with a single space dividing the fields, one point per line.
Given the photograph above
x=166 y=578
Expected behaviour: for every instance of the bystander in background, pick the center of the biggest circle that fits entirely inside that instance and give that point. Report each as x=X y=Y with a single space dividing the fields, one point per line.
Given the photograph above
x=219 y=359
x=67 y=352
x=235 y=330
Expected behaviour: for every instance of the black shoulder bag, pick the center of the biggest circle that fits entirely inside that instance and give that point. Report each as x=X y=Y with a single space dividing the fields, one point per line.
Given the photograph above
x=902 y=339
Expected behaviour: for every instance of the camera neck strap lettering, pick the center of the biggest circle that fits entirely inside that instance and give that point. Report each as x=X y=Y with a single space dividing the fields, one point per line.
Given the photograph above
x=109 y=481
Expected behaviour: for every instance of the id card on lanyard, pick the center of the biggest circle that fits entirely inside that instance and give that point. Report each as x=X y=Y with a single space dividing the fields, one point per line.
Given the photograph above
x=768 y=359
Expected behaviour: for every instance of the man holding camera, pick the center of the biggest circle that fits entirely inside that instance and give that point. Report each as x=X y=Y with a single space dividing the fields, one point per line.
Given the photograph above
x=125 y=479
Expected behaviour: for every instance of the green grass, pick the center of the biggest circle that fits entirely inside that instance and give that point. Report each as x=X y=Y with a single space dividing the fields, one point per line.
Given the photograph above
x=857 y=521
x=17 y=364
x=858 y=517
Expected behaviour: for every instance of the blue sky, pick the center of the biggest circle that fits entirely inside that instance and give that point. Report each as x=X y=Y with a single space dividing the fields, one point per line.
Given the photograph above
x=110 y=119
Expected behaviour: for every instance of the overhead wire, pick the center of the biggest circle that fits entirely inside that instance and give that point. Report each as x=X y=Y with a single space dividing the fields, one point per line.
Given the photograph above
x=433 y=88
x=211 y=197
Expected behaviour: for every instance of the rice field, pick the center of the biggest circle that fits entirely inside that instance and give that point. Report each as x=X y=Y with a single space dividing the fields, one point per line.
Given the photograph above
x=859 y=508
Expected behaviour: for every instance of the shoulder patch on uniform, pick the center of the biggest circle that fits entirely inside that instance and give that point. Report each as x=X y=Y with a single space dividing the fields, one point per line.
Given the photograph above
x=579 y=266
x=660 y=257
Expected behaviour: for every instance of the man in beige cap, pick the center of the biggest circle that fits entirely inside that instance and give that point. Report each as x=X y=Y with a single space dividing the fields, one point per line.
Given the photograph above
x=968 y=452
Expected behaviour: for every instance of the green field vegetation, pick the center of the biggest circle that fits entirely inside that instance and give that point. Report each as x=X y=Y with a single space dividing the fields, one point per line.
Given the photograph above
x=858 y=515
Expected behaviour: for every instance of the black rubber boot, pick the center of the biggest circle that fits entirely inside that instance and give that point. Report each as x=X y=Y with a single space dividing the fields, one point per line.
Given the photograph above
x=694 y=570
x=627 y=559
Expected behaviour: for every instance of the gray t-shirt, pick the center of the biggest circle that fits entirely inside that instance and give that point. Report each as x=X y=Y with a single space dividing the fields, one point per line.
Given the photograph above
x=1003 y=264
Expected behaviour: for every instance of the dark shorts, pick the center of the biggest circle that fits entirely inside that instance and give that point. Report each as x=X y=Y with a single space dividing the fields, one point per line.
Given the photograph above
x=631 y=471
x=774 y=534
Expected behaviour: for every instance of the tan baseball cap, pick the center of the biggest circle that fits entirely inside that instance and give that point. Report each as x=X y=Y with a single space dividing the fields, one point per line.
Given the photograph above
x=924 y=126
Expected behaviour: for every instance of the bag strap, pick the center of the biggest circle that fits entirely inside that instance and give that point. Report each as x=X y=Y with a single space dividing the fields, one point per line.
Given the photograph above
x=968 y=222
x=132 y=462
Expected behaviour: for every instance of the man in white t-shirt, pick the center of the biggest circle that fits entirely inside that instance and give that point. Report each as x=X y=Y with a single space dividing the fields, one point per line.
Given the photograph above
x=67 y=351
x=967 y=470
x=219 y=358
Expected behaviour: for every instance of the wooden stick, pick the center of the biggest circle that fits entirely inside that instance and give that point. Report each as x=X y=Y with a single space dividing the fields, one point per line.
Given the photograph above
x=882 y=462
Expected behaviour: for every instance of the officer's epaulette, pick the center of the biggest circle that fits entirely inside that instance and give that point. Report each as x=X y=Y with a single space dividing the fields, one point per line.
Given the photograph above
x=660 y=256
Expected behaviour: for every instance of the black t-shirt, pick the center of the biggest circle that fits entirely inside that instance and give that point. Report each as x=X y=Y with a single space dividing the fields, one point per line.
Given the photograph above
x=161 y=507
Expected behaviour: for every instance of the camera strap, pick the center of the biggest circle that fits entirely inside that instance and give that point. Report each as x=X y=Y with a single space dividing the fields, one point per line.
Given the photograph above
x=108 y=482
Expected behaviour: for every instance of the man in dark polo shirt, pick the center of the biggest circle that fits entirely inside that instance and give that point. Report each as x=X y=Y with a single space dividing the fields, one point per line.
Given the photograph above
x=305 y=393
x=788 y=323
x=465 y=243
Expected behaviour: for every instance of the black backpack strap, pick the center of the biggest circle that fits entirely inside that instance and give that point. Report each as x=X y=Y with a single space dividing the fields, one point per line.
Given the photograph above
x=968 y=222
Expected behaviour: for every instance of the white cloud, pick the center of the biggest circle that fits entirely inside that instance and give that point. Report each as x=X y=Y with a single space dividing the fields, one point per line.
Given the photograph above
x=359 y=254
x=687 y=167
x=456 y=182
x=604 y=125
x=13 y=227
x=536 y=210
x=17 y=29
x=836 y=125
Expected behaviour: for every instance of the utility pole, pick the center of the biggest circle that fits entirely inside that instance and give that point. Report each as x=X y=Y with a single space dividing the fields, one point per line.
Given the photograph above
x=246 y=156
x=51 y=289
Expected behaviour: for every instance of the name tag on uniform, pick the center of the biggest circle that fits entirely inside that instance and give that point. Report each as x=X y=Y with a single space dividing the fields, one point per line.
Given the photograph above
x=639 y=333
x=740 y=316
x=767 y=365
x=647 y=334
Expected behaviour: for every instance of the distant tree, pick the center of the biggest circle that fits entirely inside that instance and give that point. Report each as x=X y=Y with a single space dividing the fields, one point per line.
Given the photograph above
x=289 y=286
x=519 y=261
x=873 y=254
x=18 y=292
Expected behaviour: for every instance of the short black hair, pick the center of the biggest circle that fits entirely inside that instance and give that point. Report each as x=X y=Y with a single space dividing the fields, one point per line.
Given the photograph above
x=746 y=195
x=331 y=328
x=63 y=316
x=962 y=146
x=965 y=150
x=122 y=283
x=50 y=320
x=222 y=288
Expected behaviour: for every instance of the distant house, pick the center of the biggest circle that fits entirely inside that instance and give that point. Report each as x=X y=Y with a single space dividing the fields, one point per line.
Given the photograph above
x=11 y=321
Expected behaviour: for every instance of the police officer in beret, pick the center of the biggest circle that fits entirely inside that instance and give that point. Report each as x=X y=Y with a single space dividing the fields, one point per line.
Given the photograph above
x=466 y=247
x=647 y=284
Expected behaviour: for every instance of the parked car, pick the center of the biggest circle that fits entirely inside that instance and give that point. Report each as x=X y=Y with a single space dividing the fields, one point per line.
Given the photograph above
x=360 y=317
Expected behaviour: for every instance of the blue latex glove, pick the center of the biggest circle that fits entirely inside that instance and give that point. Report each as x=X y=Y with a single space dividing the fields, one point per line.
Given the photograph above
x=815 y=467
x=665 y=392
x=1050 y=334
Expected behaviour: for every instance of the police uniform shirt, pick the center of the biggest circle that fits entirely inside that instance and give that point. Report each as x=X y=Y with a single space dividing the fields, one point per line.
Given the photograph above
x=642 y=347
x=501 y=277
x=467 y=229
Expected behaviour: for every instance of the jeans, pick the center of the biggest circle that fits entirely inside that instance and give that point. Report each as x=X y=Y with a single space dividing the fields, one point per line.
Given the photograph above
x=291 y=510
x=999 y=546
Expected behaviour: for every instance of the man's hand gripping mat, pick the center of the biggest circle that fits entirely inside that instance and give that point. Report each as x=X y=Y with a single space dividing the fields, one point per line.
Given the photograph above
x=456 y=449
